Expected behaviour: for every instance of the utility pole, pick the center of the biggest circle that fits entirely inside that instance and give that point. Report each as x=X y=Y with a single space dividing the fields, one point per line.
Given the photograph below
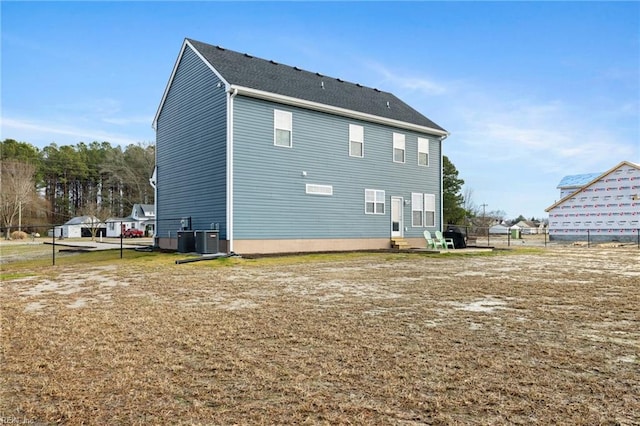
x=484 y=219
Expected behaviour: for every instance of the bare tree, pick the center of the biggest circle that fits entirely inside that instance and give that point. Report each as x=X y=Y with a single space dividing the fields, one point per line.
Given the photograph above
x=469 y=205
x=97 y=215
x=17 y=188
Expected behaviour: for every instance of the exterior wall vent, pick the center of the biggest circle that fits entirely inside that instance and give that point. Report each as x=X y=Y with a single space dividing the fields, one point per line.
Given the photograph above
x=315 y=189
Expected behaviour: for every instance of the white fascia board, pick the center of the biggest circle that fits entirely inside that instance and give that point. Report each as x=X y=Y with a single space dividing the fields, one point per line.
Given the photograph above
x=173 y=74
x=274 y=97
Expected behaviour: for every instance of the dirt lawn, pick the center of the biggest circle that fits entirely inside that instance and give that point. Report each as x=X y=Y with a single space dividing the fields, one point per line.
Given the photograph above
x=538 y=336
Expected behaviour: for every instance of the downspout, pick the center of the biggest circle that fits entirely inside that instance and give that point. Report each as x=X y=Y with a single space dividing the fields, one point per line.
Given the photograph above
x=232 y=92
x=442 y=138
x=152 y=181
x=156 y=240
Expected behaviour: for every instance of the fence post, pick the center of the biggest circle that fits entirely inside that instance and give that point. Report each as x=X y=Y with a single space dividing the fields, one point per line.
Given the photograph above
x=638 y=236
x=121 y=236
x=588 y=239
x=54 y=245
x=508 y=239
x=545 y=237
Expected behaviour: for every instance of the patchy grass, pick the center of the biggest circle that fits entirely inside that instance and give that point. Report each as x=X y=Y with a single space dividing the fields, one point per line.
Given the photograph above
x=512 y=337
x=15 y=275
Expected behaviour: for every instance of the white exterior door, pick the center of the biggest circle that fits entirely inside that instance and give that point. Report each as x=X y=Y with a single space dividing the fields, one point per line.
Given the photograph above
x=396 y=217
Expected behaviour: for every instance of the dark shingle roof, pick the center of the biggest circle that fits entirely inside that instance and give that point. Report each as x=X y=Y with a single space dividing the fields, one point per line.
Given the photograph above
x=269 y=76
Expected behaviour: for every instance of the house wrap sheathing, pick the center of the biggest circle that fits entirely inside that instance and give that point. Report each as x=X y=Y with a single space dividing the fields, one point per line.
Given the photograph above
x=603 y=207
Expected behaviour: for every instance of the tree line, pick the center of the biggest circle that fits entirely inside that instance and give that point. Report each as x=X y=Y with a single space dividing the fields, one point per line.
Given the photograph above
x=55 y=183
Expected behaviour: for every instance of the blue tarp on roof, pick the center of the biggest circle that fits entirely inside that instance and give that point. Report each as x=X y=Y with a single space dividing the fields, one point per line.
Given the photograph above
x=577 y=181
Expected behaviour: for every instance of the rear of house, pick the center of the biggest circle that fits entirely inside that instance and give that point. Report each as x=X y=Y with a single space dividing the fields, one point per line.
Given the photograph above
x=278 y=159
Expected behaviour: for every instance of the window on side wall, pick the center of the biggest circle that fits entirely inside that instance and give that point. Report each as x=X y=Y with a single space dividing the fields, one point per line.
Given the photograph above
x=356 y=141
x=417 y=209
x=398 y=148
x=429 y=210
x=282 y=127
x=423 y=152
x=373 y=201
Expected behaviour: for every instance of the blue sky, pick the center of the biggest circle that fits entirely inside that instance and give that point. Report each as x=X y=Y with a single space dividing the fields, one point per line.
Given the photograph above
x=530 y=91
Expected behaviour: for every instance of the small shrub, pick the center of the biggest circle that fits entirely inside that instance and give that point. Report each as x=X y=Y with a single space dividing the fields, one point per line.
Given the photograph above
x=18 y=235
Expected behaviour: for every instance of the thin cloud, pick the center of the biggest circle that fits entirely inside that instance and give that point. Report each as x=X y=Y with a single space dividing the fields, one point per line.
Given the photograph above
x=549 y=134
x=126 y=121
x=423 y=84
x=43 y=133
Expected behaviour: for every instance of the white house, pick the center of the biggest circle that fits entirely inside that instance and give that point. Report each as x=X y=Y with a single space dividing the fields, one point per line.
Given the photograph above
x=499 y=229
x=143 y=217
x=604 y=208
x=77 y=227
x=526 y=227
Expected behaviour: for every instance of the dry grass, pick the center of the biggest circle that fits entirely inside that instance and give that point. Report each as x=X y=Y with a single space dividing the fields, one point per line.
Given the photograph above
x=542 y=337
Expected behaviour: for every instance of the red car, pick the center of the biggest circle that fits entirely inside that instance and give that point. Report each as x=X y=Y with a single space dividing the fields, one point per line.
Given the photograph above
x=132 y=233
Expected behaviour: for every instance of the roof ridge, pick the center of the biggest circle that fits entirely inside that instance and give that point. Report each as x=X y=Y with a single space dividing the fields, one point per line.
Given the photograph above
x=294 y=67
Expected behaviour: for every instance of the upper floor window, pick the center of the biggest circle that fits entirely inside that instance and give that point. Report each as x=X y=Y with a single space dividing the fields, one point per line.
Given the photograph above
x=356 y=141
x=423 y=152
x=282 y=127
x=373 y=201
x=398 y=148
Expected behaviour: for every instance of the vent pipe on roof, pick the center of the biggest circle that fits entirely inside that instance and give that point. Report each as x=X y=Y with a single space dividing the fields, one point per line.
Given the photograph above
x=388 y=106
x=322 y=84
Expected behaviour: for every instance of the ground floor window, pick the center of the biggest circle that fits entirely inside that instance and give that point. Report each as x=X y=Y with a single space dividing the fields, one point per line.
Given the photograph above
x=429 y=210
x=423 y=209
x=373 y=201
x=417 y=209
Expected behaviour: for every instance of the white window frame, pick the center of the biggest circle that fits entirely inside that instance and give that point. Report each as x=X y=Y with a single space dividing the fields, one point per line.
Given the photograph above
x=356 y=136
x=399 y=144
x=376 y=198
x=282 y=120
x=417 y=205
x=423 y=148
x=429 y=207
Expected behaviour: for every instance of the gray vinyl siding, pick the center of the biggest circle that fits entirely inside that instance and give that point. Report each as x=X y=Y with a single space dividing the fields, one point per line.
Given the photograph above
x=269 y=187
x=191 y=150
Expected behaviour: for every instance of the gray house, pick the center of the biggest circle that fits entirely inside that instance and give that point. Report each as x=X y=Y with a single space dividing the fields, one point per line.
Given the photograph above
x=279 y=159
